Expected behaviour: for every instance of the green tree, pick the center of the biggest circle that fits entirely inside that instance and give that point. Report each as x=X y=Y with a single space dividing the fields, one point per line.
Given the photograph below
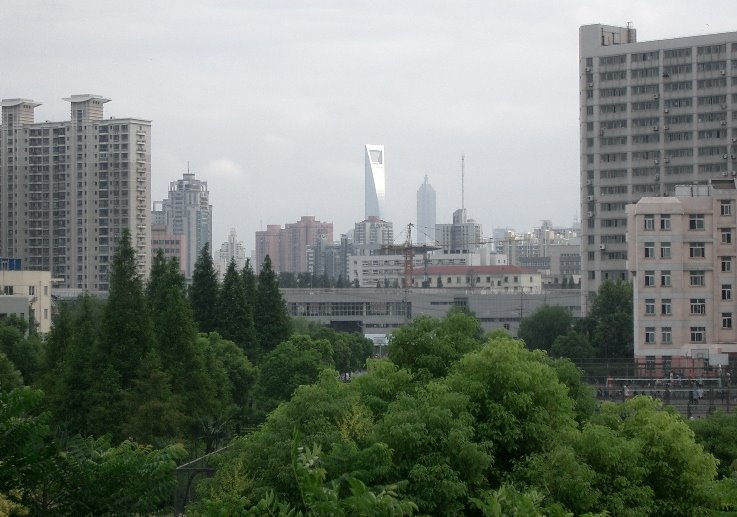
x=540 y=329
x=249 y=285
x=25 y=352
x=610 y=323
x=233 y=310
x=717 y=433
x=127 y=330
x=270 y=312
x=573 y=345
x=10 y=377
x=203 y=293
x=428 y=346
x=287 y=280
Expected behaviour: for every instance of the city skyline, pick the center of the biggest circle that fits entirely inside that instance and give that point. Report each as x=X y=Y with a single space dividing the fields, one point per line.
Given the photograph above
x=281 y=100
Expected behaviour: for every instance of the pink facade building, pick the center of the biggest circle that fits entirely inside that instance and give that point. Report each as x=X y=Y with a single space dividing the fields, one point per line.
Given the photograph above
x=288 y=247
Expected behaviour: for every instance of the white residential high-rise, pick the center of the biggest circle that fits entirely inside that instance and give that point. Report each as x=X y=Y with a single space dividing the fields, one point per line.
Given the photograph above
x=375 y=181
x=463 y=236
x=653 y=115
x=69 y=189
x=187 y=212
x=426 y=216
x=231 y=250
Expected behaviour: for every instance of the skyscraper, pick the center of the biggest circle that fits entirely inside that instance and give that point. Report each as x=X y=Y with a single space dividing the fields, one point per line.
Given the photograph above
x=653 y=115
x=375 y=181
x=288 y=247
x=69 y=189
x=187 y=212
x=426 y=217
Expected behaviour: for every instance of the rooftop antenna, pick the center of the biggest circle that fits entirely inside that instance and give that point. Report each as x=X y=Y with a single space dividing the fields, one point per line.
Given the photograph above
x=463 y=176
x=187 y=166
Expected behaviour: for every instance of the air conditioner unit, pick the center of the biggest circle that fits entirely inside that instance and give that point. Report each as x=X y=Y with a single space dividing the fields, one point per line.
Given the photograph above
x=602 y=247
x=666 y=159
x=733 y=173
x=656 y=96
x=666 y=128
x=666 y=110
x=587 y=69
x=589 y=182
x=724 y=106
x=589 y=214
x=733 y=156
x=724 y=156
x=724 y=173
x=723 y=72
x=734 y=140
x=591 y=198
x=656 y=162
x=655 y=128
x=589 y=85
x=724 y=122
x=657 y=176
x=601 y=132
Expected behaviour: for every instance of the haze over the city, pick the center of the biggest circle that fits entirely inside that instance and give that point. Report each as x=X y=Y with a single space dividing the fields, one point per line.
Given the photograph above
x=272 y=102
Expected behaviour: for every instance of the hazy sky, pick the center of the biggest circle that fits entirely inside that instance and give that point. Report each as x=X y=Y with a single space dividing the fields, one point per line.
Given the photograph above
x=271 y=102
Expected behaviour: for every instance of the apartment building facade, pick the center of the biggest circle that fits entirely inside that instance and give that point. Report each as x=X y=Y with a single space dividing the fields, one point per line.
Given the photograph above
x=288 y=247
x=653 y=115
x=682 y=253
x=69 y=189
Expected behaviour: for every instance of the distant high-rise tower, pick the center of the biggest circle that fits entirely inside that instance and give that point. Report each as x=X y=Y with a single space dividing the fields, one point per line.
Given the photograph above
x=188 y=212
x=71 y=188
x=653 y=115
x=375 y=181
x=426 y=218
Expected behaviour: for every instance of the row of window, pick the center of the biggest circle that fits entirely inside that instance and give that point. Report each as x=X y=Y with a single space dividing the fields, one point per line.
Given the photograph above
x=696 y=334
x=697 y=306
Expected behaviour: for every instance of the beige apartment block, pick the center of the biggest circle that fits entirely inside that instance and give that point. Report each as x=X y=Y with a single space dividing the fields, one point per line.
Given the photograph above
x=682 y=253
x=35 y=286
x=69 y=189
x=653 y=115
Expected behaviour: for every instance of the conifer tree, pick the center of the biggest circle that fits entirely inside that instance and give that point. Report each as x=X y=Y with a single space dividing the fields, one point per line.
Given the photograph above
x=203 y=293
x=231 y=308
x=127 y=330
x=249 y=286
x=270 y=313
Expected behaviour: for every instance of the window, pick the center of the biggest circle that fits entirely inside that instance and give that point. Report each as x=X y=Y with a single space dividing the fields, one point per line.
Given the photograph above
x=696 y=222
x=649 y=222
x=649 y=250
x=726 y=235
x=726 y=207
x=697 y=250
x=696 y=278
x=726 y=264
x=665 y=278
x=650 y=306
x=666 y=307
x=665 y=250
x=698 y=334
x=726 y=291
x=31 y=290
x=666 y=335
x=8 y=289
x=649 y=278
x=650 y=335
x=665 y=222
x=726 y=320
x=698 y=306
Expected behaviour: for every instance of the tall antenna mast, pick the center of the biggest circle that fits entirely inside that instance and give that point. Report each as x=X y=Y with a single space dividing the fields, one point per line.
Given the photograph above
x=463 y=176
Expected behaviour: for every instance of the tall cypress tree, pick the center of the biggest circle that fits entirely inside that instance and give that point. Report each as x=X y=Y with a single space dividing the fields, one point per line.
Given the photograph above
x=127 y=330
x=249 y=286
x=203 y=293
x=270 y=312
x=231 y=308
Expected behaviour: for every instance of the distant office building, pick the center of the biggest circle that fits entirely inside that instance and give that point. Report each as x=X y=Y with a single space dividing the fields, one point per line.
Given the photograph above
x=682 y=259
x=70 y=188
x=462 y=236
x=172 y=246
x=426 y=217
x=187 y=212
x=375 y=181
x=231 y=250
x=288 y=247
x=653 y=114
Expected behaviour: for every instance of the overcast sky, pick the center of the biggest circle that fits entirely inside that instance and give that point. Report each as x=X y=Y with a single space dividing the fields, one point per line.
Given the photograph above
x=271 y=102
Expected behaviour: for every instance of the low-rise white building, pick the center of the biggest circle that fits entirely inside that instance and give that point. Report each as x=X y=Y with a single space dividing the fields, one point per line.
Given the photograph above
x=35 y=286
